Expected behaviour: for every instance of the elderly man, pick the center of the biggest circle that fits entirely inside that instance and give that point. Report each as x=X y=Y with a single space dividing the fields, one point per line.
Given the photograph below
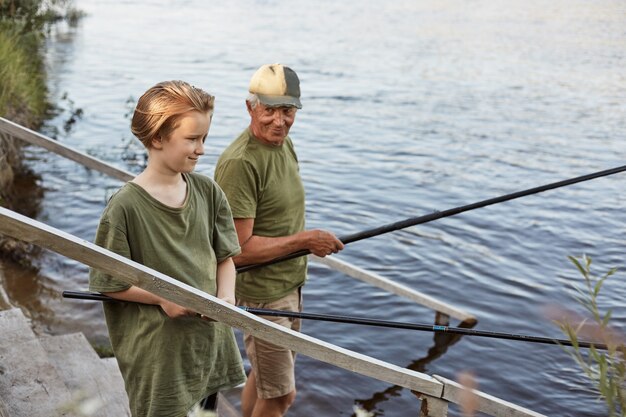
x=259 y=174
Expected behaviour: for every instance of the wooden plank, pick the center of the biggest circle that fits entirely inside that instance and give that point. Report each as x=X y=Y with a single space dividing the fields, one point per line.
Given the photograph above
x=30 y=386
x=85 y=376
x=398 y=289
x=26 y=229
x=433 y=407
x=35 y=138
x=488 y=404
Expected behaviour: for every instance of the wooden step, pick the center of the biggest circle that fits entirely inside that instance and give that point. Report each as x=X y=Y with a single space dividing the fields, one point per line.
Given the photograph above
x=86 y=375
x=83 y=371
x=29 y=385
x=40 y=377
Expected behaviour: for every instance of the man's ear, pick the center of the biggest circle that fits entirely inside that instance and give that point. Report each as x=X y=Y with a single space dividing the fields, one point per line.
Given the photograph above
x=249 y=107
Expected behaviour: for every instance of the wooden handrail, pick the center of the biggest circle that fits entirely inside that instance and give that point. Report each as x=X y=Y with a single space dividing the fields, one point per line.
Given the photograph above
x=435 y=389
x=32 y=231
x=487 y=404
x=35 y=138
x=395 y=288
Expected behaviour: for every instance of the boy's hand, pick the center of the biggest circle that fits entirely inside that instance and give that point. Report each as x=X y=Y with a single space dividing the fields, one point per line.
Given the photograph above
x=229 y=299
x=173 y=310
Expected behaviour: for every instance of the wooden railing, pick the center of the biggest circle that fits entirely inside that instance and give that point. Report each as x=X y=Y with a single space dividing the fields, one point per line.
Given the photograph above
x=434 y=391
x=442 y=309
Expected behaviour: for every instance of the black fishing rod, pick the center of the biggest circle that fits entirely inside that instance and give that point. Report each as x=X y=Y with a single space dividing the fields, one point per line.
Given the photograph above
x=374 y=322
x=413 y=221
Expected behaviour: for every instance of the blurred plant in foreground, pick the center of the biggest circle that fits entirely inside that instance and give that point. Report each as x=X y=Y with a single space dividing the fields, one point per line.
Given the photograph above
x=606 y=369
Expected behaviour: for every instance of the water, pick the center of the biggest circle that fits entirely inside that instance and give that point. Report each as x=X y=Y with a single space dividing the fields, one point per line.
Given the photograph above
x=409 y=107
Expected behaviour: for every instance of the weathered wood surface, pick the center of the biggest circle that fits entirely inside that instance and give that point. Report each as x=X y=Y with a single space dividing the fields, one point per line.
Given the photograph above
x=29 y=384
x=393 y=287
x=26 y=229
x=85 y=374
x=34 y=138
x=488 y=404
x=433 y=407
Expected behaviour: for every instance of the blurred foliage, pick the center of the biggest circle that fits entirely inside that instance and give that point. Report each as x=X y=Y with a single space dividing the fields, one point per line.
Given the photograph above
x=103 y=350
x=606 y=369
x=30 y=16
x=24 y=25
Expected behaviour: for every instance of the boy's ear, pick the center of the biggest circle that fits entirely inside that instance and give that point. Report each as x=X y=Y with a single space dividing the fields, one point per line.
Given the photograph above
x=157 y=142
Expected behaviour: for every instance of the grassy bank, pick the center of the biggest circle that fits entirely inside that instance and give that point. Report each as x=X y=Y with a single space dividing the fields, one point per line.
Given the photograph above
x=23 y=97
x=23 y=94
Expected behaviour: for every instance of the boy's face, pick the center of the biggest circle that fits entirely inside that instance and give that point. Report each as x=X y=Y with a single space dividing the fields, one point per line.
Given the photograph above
x=184 y=146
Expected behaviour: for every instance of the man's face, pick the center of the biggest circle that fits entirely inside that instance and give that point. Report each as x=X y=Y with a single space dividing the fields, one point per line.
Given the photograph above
x=271 y=124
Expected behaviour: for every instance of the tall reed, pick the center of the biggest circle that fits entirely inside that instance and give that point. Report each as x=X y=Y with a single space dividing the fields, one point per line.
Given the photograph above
x=605 y=369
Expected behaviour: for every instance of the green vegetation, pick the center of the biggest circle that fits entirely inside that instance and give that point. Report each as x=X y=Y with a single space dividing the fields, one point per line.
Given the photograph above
x=103 y=350
x=22 y=77
x=23 y=91
x=605 y=369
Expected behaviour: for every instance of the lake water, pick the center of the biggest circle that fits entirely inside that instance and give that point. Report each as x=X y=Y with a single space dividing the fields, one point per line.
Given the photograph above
x=409 y=107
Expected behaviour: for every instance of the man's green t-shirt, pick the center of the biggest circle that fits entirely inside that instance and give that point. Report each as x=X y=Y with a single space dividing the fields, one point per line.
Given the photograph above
x=168 y=364
x=263 y=182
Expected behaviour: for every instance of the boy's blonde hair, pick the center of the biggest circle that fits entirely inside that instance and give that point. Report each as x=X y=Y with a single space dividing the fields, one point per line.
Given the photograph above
x=159 y=109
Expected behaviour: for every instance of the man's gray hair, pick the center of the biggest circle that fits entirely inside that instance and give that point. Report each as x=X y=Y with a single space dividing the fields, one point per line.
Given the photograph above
x=253 y=99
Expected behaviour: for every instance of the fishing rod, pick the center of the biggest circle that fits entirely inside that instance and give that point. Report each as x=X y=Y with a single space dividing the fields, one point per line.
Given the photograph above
x=374 y=322
x=413 y=221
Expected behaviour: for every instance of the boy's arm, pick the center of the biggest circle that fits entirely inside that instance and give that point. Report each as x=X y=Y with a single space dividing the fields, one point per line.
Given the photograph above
x=142 y=296
x=226 y=280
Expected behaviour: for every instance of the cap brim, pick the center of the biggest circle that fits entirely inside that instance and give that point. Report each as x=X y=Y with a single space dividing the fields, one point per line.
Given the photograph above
x=276 y=101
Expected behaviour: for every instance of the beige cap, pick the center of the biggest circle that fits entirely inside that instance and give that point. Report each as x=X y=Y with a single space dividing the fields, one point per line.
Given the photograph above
x=276 y=85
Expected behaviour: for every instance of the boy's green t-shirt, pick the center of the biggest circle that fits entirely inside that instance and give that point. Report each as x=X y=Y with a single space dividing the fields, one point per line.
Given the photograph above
x=263 y=182
x=169 y=364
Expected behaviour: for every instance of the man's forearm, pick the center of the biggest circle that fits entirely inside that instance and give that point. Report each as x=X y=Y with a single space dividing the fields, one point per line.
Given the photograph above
x=259 y=249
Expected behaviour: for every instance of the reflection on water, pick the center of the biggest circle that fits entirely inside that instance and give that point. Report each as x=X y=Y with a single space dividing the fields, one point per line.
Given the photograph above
x=19 y=259
x=409 y=107
x=442 y=342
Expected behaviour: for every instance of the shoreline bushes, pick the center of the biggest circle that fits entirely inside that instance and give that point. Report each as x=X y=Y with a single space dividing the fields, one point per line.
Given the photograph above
x=23 y=90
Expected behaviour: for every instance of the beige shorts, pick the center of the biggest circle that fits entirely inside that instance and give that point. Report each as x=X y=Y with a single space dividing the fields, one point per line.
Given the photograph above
x=274 y=365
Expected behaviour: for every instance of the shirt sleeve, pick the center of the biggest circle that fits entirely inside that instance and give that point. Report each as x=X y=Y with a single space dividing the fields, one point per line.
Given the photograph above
x=225 y=242
x=239 y=181
x=115 y=240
